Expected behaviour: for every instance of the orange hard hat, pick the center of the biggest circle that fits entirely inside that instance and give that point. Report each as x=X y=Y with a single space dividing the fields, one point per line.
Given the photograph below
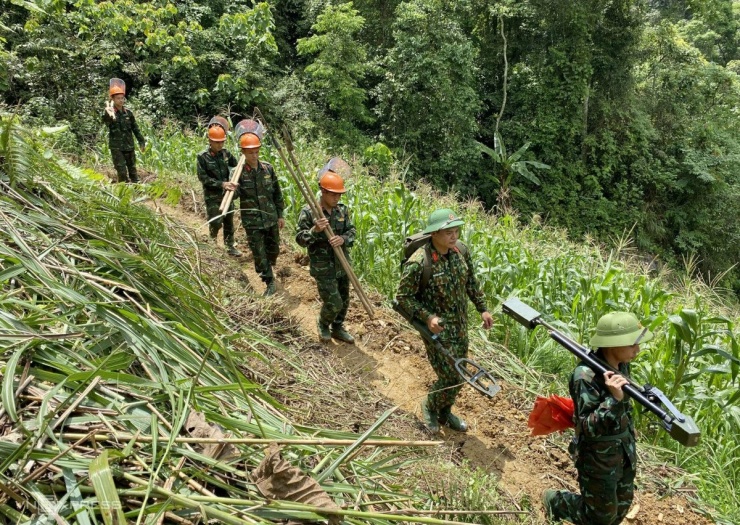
x=249 y=141
x=216 y=133
x=332 y=182
x=116 y=87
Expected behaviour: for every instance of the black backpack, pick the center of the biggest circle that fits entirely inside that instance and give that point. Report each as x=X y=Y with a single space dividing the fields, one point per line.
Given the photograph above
x=421 y=240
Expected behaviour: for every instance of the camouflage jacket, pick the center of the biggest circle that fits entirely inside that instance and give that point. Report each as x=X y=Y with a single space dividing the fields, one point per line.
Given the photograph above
x=604 y=427
x=213 y=171
x=260 y=198
x=321 y=256
x=451 y=283
x=121 y=131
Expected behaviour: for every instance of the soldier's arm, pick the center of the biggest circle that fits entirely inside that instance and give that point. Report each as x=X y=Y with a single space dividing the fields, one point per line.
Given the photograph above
x=137 y=132
x=473 y=288
x=305 y=236
x=594 y=417
x=277 y=196
x=409 y=287
x=108 y=119
x=231 y=162
x=349 y=230
x=205 y=179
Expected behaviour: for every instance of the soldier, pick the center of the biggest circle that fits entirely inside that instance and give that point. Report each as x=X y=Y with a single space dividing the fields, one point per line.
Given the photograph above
x=604 y=443
x=261 y=203
x=442 y=302
x=122 y=127
x=213 y=172
x=331 y=280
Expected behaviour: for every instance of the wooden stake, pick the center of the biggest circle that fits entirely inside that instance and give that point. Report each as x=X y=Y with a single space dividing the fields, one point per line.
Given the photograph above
x=229 y=194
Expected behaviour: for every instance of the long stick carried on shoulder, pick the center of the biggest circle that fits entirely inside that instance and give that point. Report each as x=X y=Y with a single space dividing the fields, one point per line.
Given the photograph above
x=295 y=171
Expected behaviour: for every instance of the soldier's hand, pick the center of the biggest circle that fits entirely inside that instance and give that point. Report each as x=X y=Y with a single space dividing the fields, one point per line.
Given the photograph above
x=229 y=186
x=615 y=382
x=110 y=110
x=320 y=225
x=487 y=320
x=337 y=240
x=433 y=323
x=281 y=223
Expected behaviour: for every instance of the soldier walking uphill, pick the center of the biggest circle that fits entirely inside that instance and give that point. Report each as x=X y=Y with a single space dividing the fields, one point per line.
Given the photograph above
x=122 y=127
x=604 y=443
x=331 y=280
x=442 y=302
x=213 y=172
x=261 y=202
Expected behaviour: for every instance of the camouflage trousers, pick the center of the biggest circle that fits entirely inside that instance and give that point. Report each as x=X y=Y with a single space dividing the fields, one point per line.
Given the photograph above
x=265 y=246
x=125 y=164
x=444 y=391
x=212 y=204
x=605 y=497
x=334 y=293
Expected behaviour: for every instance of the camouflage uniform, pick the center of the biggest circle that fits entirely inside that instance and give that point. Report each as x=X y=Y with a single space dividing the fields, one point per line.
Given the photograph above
x=451 y=282
x=213 y=171
x=121 y=133
x=261 y=203
x=605 y=454
x=331 y=280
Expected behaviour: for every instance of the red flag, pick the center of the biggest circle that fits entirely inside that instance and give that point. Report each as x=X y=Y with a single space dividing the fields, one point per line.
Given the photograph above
x=550 y=414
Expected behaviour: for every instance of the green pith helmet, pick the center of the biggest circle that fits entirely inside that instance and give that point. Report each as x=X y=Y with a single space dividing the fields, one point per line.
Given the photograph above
x=619 y=329
x=442 y=219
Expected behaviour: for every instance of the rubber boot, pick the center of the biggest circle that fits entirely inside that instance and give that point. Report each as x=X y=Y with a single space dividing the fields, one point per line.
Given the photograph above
x=231 y=250
x=430 y=417
x=338 y=332
x=270 y=289
x=446 y=417
x=324 y=333
x=548 y=497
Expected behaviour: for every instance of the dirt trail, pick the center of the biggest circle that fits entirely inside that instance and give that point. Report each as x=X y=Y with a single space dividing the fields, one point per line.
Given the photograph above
x=392 y=359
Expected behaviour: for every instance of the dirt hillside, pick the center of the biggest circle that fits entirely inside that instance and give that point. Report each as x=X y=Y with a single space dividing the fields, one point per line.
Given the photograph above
x=391 y=358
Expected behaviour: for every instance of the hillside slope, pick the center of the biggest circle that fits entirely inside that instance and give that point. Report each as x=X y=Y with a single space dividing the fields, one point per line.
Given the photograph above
x=391 y=358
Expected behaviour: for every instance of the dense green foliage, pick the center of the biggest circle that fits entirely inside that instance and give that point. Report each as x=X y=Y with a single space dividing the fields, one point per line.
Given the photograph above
x=632 y=103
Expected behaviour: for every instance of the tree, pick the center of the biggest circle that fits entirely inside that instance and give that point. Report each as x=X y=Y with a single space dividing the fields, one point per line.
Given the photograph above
x=428 y=99
x=507 y=166
x=339 y=66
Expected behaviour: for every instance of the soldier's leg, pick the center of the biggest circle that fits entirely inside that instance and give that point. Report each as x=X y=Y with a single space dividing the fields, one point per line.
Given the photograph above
x=338 y=331
x=228 y=222
x=448 y=384
x=119 y=163
x=331 y=298
x=212 y=211
x=343 y=290
x=272 y=244
x=625 y=491
x=256 y=242
x=595 y=505
x=130 y=156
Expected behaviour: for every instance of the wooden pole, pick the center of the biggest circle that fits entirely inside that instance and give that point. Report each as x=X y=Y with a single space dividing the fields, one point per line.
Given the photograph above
x=329 y=233
x=318 y=213
x=229 y=194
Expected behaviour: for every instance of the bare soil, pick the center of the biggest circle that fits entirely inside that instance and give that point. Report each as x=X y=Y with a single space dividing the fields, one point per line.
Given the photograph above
x=389 y=359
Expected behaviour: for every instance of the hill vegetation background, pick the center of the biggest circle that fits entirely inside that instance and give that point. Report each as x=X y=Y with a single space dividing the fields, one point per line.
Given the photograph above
x=602 y=118
x=633 y=104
